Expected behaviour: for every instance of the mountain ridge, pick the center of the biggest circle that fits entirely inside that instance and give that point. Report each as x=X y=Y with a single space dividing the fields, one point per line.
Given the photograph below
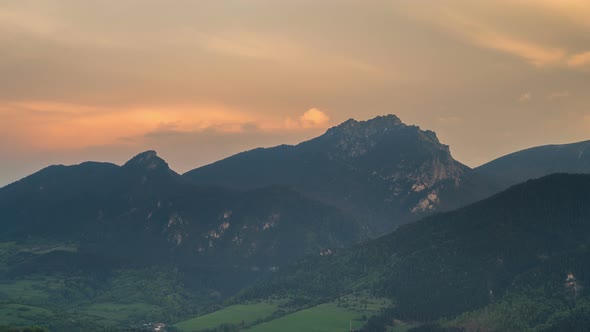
x=538 y=161
x=144 y=204
x=380 y=169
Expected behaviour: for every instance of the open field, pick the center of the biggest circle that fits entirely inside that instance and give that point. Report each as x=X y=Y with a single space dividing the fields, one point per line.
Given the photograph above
x=332 y=316
x=234 y=314
x=325 y=317
x=127 y=298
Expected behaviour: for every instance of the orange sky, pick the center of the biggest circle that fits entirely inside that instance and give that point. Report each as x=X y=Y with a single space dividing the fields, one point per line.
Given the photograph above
x=200 y=80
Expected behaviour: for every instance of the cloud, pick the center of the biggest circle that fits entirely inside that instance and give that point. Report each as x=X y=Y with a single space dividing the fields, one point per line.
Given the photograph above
x=59 y=126
x=312 y=118
x=576 y=11
x=208 y=70
x=558 y=95
x=525 y=97
x=51 y=126
x=482 y=29
x=533 y=53
x=537 y=55
x=279 y=49
x=579 y=60
x=249 y=46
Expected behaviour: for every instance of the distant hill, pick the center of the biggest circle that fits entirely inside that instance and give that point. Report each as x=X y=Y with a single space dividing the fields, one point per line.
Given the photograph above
x=528 y=244
x=380 y=170
x=145 y=212
x=537 y=162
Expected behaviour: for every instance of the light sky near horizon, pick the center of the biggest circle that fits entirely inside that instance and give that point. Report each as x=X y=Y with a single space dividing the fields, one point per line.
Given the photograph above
x=201 y=80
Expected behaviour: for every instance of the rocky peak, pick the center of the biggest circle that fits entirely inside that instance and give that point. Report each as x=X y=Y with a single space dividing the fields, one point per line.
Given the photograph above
x=415 y=166
x=368 y=127
x=147 y=161
x=354 y=138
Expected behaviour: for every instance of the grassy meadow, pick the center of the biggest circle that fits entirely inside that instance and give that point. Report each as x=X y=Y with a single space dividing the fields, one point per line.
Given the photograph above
x=234 y=314
x=272 y=316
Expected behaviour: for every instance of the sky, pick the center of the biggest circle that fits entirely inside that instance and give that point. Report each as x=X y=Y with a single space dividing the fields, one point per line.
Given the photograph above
x=201 y=80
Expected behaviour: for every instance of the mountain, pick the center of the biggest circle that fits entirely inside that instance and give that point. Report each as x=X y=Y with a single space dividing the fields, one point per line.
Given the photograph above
x=537 y=162
x=381 y=170
x=521 y=255
x=97 y=246
x=145 y=212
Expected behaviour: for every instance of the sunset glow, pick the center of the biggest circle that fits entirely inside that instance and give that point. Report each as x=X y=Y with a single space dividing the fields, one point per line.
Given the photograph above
x=121 y=77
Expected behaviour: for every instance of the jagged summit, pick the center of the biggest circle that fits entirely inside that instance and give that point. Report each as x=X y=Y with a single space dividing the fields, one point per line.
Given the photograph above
x=147 y=160
x=378 y=128
x=379 y=123
x=383 y=134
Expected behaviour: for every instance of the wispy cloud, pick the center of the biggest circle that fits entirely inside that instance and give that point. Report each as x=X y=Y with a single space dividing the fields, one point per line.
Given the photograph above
x=471 y=27
x=491 y=37
x=58 y=126
x=535 y=54
x=251 y=46
x=265 y=46
x=576 y=11
x=579 y=60
x=558 y=95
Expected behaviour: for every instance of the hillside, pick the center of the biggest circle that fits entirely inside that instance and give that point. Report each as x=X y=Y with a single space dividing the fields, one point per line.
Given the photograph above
x=537 y=162
x=527 y=239
x=145 y=209
x=380 y=170
x=101 y=229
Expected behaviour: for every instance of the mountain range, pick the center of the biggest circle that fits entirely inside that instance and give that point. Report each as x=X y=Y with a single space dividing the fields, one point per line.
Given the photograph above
x=143 y=210
x=302 y=218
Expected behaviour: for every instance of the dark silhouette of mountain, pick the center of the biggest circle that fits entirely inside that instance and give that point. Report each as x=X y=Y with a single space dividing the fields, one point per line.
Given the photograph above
x=537 y=162
x=523 y=244
x=145 y=212
x=380 y=170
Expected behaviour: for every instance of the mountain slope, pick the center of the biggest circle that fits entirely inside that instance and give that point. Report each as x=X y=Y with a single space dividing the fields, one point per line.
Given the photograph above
x=537 y=162
x=96 y=246
x=145 y=211
x=531 y=236
x=381 y=170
